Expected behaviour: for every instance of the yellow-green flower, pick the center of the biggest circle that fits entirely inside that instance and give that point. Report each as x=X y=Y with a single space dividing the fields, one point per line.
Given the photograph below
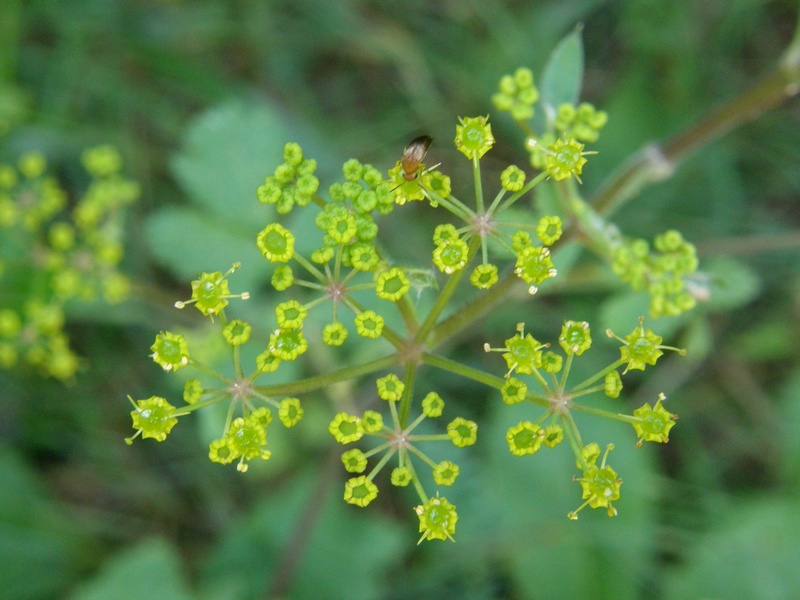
x=360 y=491
x=653 y=423
x=153 y=417
x=276 y=243
x=354 y=461
x=474 y=136
x=437 y=519
x=462 y=432
x=445 y=473
x=170 y=351
x=290 y=412
x=524 y=438
x=346 y=428
x=390 y=388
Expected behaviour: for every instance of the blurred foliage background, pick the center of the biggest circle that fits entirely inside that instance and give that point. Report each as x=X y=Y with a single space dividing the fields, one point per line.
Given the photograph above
x=200 y=98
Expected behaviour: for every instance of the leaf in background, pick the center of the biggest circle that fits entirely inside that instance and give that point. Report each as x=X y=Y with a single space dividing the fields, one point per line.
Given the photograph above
x=733 y=284
x=348 y=555
x=151 y=569
x=188 y=242
x=518 y=509
x=789 y=415
x=226 y=155
x=227 y=152
x=621 y=311
x=751 y=553
x=562 y=76
x=40 y=544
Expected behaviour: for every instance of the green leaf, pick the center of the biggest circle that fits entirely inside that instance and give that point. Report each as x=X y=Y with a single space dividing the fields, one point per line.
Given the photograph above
x=189 y=242
x=228 y=151
x=733 y=284
x=150 y=570
x=621 y=311
x=40 y=547
x=751 y=553
x=520 y=505
x=562 y=76
x=226 y=155
x=349 y=550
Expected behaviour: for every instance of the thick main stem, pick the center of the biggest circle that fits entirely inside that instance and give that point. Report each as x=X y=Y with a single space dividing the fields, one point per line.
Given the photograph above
x=656 y=162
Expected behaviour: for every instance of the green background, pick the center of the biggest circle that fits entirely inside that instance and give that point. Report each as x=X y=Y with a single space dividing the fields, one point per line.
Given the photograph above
x=200 y=97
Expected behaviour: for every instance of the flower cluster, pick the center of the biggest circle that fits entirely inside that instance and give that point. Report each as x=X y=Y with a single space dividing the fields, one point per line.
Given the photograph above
x=491 y=240
x=348 y=233
x=437 y=516
x=582 y=122
x=244 y=437
x=483 y=227
x=600 y=483
x=525 y=355
x=70 y=255
x=293 y=182
x=664 y=271
x=517 y=94
x=559 y=150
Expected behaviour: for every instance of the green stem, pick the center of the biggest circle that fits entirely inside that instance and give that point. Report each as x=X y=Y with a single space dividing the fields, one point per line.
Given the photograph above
x=417 y=483
x=309 y=266
x=409 y=378
x=237 y=362
x=528 y=187
x=321 y=381
x=215 y=398
x=382 y=463
x=587 y=391
x=574 y=438
x=462 y=370
x=406 y=309
x=598 y=412
x=422 y=456
x=451 y=204
x=444 y=296
x=656 y=162
x=562 y=384
x=420 y=418
x=210 y=372
x=473 y=311
x=476 y=177
x=540 y=379
x=377 y=449
x=433 y=437
x=597 y=376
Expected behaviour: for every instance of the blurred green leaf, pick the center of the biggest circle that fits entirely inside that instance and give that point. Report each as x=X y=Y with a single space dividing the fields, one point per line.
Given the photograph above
x=562 y=76
x=151 y=569
x=698 y=339
x=227 y=152
x=226 y=155
x=733 y=283
x=770 y=340
x=789 y=412
x=750 y=554
x=621 y=311
x=40 y=547
x=349 y=552
x=189 y=242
